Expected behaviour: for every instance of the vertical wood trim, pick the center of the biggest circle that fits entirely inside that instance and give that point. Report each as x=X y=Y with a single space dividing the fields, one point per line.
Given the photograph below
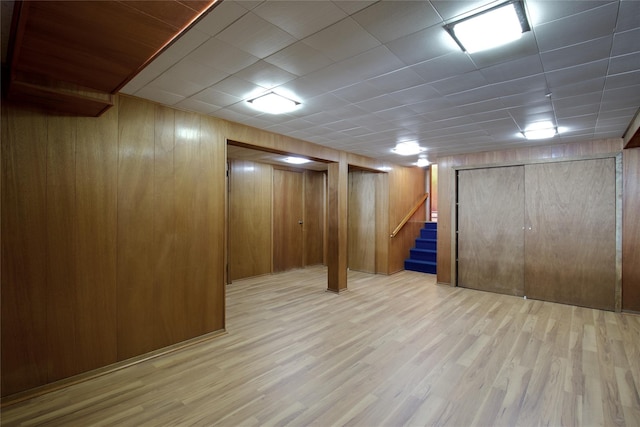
x=338 y=176
x=164 y=238
x=24 y=258
x=136 y=153
x=362 y=221
x=212 y=212
x=96 y=250
x=60 y=246
x=631 y=230
x=382 y=223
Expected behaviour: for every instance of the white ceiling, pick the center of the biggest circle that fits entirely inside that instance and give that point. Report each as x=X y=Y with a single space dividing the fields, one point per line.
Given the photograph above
x=370 y=74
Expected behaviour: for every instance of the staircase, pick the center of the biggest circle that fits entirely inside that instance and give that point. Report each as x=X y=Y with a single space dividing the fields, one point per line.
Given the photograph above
x=423 y=257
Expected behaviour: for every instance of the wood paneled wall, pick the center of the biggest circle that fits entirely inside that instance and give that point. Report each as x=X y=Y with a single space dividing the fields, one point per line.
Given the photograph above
x=250 y=198
x=112 y=234
x=631 y=201
x=631 y=230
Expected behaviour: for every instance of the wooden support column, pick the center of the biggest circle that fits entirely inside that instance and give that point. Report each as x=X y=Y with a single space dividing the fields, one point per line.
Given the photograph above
x=338 y=175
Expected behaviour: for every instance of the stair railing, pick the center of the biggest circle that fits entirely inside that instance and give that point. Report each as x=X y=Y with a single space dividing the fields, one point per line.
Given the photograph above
x=409 y=215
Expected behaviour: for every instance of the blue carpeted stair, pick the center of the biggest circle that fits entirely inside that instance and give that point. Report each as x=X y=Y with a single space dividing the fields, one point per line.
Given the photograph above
x=423 y=256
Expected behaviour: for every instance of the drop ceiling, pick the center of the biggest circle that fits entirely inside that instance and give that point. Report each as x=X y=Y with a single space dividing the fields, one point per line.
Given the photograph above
x=372 y=74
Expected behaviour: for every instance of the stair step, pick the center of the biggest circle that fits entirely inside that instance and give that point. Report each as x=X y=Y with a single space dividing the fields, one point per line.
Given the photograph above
x=423 y=254
x=431 y=225
x=427 y=244
x=421 y=266
x=428 y=233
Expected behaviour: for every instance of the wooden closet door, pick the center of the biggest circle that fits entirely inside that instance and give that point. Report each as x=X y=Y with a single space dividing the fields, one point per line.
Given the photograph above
x=490 y=229
x=570 y=234
x=287 y=220
x=362 y=221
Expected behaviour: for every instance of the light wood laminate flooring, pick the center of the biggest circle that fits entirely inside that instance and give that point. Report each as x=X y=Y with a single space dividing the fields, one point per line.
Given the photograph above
x=392 y=351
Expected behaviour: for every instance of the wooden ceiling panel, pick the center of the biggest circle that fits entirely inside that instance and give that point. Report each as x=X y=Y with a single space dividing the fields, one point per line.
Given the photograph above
x=96 y=45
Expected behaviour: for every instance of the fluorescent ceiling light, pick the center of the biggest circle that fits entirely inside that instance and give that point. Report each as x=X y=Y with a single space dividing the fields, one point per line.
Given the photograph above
x=491 y=28
x=540 y=130
x=273 y=103
x=408 y=148
x=296 y=160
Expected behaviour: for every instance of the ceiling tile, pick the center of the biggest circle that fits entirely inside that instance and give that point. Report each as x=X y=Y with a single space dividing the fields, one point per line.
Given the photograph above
x=628 y=15
x=450 y=10
x=265 y=75
x=215 y=97
x=299 y=59
x=624 y=63
x=256 y=36
x=300 y=18
x=195 y=72
x=172 y=84
x=444 y=66
x=221 y=56
x=379 y=103
x=511 y=70
x=424 y=45
x=351 y=6
x=589 y=25
x=578 y=88
x=197 y=106
x=397 y=80
x=543 y=11
x=221 y=17
x=577 y=54
x=623 y=80
x=359 y=92
x=626 y=42
x=576 y=74
x=415 y=94
x=460 y=83
x=389 y=20
x=342 y=40
x=159 y=95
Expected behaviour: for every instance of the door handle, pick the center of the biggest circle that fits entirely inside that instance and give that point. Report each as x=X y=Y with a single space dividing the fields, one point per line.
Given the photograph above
x=300 y=222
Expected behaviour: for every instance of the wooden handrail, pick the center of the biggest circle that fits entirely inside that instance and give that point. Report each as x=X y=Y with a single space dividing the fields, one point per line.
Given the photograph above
x=409 y=215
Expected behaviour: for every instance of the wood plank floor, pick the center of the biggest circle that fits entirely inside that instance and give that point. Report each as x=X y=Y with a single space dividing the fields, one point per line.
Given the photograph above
x=394 y=350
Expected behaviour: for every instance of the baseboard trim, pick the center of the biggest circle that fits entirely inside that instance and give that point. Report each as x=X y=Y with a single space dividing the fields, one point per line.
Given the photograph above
x=95 y=373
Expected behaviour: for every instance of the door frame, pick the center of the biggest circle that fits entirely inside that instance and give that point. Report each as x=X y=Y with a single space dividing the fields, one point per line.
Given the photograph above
x=618 y=210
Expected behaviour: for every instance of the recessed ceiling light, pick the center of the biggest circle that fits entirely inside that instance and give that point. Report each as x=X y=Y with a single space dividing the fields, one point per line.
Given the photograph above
x=540 y=130
x=422 y=162
x=408 y=148
x=296 y=160
x=491 y=28
x=273 y=103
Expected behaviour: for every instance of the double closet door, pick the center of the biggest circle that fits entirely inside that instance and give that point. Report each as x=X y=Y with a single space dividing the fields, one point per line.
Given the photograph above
x=546 y=231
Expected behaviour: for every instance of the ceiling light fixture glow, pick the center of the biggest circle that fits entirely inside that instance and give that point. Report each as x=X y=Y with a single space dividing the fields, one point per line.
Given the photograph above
x=296 y=160
x=408 y=148
x=491 y=28
x=540 y=130
x=422 y=162
x=273 y=103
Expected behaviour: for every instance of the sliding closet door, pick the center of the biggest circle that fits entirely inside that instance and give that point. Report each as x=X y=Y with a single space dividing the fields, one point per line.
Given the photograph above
x=490 y=229
x=570 y=234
